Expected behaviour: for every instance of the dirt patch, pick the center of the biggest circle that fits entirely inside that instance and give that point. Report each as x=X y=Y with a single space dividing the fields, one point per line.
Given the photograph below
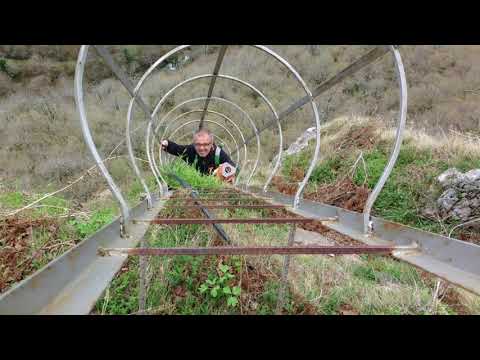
x=453 y=299
x=344 y=194
x=470 y=237
x=16 y=253
x=359 y=138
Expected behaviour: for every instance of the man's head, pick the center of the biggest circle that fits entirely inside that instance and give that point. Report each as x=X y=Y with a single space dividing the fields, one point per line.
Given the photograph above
x=203 y=142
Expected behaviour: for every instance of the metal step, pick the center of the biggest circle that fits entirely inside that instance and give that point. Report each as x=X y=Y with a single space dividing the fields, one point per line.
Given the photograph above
x=450 y=259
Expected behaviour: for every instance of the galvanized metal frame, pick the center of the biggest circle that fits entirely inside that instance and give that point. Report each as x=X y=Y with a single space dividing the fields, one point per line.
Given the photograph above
x=377 y=53
x=87 y=135
x=251 y=87
x=226 y=118
x=72 y=283
x=126 y=82
x=244 y=113
x=432 y=254
x=451 y=259
x=211 y=122
x=402 y=80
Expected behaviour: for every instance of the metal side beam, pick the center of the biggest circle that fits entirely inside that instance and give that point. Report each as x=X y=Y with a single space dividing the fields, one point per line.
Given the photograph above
x=72 y=283
x=450 y=259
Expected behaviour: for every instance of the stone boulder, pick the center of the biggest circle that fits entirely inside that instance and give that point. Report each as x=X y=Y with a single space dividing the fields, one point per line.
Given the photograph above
x=460 y=199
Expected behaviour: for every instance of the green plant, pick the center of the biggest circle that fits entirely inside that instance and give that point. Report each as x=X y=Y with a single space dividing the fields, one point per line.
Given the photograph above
x=190 y=175
x=98 y=219
x=218 y=286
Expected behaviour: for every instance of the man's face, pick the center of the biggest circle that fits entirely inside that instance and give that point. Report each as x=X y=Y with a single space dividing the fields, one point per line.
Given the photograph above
x=203 y=144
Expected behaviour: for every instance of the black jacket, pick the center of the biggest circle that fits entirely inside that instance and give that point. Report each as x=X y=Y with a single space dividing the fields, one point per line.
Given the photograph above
x=205 y=165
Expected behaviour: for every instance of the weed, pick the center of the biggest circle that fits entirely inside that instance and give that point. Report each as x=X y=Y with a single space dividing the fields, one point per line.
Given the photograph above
x=218 y=286
x=98 y=219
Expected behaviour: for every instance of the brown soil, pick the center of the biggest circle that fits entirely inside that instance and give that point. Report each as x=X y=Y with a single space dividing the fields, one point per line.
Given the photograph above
x=471 y=237
x=344 y=194
x=16 y=253
x=452 y=299
x=359 y=138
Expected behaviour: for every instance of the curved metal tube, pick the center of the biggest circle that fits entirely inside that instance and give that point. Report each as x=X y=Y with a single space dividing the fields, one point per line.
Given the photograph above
x=316 y=154
x=129 y=120
x=254 y=127
x=131 y=157
x=402 y=80
x=226 y=118
x=283 y=62
x=79 y=71
x=251 y=87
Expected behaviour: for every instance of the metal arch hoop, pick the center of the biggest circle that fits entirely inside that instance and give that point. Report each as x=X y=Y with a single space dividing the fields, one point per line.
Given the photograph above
x=308 y=93
x=208 y=121
x=252 y=123
x=402 y=80
x=218 y=114
x=299 y=79
x=251 y=87
x=218 y=124
x=79 y=71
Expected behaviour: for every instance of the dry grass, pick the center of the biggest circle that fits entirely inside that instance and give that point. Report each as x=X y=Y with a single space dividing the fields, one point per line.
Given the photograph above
x=442 y=83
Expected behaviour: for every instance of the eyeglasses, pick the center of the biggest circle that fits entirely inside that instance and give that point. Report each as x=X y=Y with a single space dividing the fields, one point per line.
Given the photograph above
x=198 y=145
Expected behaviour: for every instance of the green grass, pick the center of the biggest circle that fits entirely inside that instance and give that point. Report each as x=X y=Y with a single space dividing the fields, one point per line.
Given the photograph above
x=97 y=220
x=413 y=179
x=12 y=200
x=190 y=175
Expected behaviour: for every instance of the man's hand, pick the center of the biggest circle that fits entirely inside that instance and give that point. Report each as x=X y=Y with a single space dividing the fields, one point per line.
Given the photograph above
x=226 y=172
x=164 y=145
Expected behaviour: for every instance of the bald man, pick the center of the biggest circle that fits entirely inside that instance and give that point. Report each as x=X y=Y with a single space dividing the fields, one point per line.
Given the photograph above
x=203 y=153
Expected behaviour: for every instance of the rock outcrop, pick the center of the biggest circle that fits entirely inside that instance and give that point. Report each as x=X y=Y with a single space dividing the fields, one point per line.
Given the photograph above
x=460 y=199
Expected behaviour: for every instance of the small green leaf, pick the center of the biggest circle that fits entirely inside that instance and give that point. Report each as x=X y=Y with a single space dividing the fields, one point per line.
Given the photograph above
x=203 y=288
x=224 y=268
x=226 y=290
x=236 y=291
x=214 y=291
x=232 y=301
x=211 y=282
x=229 y=276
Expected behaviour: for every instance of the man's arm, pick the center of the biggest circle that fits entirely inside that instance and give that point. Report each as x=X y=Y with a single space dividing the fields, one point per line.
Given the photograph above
x=174 y=149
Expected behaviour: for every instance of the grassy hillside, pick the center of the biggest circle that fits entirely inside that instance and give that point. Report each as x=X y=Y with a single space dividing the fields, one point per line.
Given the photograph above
x=42 y=150
x=41 y=141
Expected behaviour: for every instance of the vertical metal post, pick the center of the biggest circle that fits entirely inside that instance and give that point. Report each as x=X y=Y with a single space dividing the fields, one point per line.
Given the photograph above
x=122 y=76
x=402 y=118
x=286 y=267
x=142 y=291
x=124 y=209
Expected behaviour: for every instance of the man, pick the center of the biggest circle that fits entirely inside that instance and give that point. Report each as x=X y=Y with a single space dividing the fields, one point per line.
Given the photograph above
x=203 y=153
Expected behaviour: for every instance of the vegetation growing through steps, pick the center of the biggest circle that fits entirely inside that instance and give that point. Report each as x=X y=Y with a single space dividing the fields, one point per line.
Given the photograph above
x=196 y=284
x=344 y=285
